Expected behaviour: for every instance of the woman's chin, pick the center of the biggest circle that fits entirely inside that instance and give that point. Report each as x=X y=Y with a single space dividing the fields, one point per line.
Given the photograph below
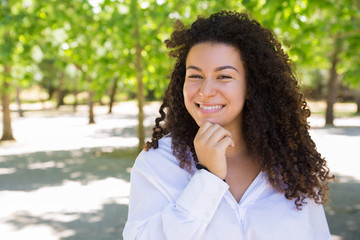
x=202 y=121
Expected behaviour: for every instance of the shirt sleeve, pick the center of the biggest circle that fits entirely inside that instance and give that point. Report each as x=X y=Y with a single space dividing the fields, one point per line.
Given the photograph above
x=159 y=210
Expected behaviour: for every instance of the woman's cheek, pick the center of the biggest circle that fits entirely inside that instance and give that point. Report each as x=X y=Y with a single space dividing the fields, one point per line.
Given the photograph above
x=190 y=89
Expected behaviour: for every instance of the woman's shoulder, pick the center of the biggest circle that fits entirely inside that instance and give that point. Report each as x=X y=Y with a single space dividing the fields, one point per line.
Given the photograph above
x=159 y=161
x=163 y=153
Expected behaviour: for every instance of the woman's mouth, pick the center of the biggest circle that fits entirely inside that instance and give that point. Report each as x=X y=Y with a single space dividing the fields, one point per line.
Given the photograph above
x=209 y=108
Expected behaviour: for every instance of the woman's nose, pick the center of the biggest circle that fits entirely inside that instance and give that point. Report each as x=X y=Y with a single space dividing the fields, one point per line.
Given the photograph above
x=207 y=88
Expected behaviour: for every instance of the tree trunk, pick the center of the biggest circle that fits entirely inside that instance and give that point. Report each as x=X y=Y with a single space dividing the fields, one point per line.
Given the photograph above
x=112 y=95
x=75 y=100
x=7 y=133
x=51 y=92
x=101 y=102
x=18 y=101
x=91 y=103
x=139 y=76
x=333 y=84
x=357 y=99
x=75 y=95
x=60 y=92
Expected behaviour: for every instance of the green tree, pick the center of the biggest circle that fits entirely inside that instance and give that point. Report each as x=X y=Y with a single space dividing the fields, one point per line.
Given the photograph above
x=18 y=25
x=317 y=35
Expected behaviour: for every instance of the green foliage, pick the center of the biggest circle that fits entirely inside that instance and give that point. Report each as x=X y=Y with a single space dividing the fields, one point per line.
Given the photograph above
x=309 y=30
x=41 y=40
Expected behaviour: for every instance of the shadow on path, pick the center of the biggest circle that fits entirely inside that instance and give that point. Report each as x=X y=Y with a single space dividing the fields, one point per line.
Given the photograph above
x=105 y=224
x=28 y=172
x=125 y=132
x=340 y=130
x=90 y=171
x=343 y=210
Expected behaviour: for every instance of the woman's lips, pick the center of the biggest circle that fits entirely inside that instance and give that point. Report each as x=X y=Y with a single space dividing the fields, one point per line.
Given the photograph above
x=207 y=108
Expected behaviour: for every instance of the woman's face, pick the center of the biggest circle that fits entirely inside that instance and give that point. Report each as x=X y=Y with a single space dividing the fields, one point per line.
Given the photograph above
x=215 y=87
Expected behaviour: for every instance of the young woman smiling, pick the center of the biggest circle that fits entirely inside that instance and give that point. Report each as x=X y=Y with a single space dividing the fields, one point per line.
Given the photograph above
x=230 y=156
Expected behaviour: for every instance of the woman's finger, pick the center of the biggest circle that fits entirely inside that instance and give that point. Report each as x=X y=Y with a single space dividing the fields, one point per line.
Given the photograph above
x=203 y=128
x=218 y=135
x=225 y=143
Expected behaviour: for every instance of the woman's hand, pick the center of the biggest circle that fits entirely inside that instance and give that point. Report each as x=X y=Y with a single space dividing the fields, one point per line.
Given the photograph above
x=211 y=142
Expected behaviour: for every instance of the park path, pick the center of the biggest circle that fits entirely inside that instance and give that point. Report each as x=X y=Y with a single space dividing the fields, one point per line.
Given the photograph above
x=60 y=180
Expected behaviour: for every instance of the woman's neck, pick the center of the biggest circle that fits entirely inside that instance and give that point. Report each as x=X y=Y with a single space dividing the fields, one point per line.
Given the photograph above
x=239 y=155
x=239 y=143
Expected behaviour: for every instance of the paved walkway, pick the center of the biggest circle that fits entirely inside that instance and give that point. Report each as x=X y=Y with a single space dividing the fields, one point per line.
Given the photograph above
x=63 y=180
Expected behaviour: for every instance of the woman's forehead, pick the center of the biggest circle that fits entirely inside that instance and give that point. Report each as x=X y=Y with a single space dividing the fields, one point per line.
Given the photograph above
x=213 y=54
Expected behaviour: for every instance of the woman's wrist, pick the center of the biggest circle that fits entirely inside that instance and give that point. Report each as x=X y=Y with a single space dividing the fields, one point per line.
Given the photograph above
x=199 y=166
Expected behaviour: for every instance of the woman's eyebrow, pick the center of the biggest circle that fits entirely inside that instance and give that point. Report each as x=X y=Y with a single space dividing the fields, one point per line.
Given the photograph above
x=216 y=69
x=225 y=67
x=193 y=67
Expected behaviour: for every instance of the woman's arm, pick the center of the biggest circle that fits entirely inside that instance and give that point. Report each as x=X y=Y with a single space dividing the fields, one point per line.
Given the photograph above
x=164 y=204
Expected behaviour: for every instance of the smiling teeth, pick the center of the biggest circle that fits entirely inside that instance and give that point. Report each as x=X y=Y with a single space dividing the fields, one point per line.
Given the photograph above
x=210 y=107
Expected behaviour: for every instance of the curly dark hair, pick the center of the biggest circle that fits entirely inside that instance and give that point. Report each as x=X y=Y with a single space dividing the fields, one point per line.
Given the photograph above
x=275 y=114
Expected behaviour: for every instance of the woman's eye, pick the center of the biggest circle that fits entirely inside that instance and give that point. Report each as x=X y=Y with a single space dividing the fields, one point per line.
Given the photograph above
x=194 y=76
x=224 y=77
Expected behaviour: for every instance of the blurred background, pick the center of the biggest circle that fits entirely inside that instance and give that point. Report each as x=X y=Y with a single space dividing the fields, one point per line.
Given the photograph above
x=81 y=82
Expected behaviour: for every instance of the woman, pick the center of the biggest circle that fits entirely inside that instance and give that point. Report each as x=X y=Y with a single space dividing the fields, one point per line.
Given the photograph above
x=230 y=156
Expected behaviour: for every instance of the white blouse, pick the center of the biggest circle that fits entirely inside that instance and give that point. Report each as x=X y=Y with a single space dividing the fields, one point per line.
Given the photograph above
x=167 y=202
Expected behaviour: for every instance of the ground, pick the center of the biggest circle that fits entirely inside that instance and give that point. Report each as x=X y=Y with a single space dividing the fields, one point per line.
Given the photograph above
x=65 y=179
